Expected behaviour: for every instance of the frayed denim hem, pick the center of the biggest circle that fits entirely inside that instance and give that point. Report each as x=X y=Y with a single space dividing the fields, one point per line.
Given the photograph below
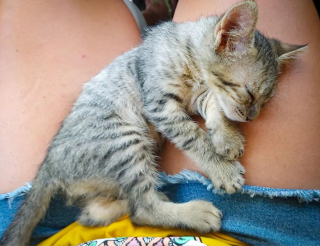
x=18 y=192
x=21 y=191
x=187 y=176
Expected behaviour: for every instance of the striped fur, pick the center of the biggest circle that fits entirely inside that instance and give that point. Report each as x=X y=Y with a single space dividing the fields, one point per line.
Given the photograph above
x=105 y=151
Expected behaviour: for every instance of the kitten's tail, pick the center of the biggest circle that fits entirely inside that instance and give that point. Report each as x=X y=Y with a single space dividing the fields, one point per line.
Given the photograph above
x=30 y=213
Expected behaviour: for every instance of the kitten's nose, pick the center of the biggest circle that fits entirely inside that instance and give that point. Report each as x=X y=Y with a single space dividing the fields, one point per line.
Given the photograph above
x=253 y=112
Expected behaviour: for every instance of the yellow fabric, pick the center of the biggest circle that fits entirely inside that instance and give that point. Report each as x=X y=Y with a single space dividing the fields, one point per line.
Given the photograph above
x=75 y=234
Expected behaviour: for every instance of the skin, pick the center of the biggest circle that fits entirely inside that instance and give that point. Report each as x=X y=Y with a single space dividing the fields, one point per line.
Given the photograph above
x=49 y=48
x=282 y=145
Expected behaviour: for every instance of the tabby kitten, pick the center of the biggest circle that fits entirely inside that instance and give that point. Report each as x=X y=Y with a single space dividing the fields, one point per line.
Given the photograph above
x=105 y=150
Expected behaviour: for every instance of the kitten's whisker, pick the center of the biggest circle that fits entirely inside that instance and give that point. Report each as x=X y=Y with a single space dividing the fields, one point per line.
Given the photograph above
x=282 y=95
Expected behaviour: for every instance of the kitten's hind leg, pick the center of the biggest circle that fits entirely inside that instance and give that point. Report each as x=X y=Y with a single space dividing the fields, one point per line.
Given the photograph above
x=150 y=207
x=135 y=172
x=200 y=216
x=100 y=211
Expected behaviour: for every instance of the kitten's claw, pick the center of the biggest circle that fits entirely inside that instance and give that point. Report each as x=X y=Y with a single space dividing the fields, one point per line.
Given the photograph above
x=228 y=176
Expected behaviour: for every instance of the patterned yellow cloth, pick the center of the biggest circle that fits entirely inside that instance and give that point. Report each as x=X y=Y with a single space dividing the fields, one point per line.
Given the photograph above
x=76 y=234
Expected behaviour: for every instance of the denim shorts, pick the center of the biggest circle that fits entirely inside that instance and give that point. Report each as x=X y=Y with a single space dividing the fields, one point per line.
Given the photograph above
x=255 y=215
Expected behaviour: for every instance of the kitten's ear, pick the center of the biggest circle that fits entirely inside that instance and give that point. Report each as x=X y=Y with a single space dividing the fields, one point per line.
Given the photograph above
x=235 y=31
x=286 y=52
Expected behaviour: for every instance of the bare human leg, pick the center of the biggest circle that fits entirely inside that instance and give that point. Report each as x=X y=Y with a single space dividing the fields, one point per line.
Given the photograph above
x=48 y=49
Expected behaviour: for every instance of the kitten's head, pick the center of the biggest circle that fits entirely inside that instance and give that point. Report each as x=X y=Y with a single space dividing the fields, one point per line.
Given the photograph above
x=244 y=65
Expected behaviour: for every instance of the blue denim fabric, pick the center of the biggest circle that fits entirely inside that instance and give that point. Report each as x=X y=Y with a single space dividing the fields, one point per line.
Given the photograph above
x=255 y=215
x=57 y=217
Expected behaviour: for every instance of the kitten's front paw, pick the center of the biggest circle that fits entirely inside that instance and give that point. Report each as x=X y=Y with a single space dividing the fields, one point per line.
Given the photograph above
x=200 y=216
x=228 y=175
x=228 y=144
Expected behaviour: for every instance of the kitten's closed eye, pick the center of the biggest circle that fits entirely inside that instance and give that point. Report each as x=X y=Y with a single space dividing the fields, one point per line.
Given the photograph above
x=251 y=95
x=228 y=83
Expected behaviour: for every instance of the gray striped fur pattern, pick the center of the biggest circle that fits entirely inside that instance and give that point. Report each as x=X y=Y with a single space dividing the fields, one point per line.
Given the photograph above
x=104 y=154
